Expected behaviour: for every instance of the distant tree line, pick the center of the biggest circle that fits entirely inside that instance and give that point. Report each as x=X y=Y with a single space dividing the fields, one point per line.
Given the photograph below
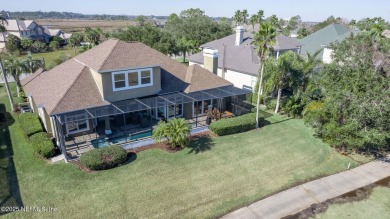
x=31 y=15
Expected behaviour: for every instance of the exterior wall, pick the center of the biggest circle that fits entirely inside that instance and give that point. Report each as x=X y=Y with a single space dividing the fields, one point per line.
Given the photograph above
x=98 y=80
x=211 y=63
x=238 y=79
x=105 y=86
x=45 y=120
x=241 y=80
x=327 y=55
x=32 y=104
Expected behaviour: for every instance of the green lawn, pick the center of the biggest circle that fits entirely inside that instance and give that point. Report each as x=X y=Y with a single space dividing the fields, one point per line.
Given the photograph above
x=180 y=59
x=51 y=56
x=212 y=177
x=377 y=206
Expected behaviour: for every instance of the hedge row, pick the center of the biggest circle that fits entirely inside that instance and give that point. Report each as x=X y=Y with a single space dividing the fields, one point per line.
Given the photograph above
x=30 y=124
x=235 y=125
x=42 y=144
x=104 y=158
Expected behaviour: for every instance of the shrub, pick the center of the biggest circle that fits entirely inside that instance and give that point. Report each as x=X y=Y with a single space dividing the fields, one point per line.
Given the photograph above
x=270 y=103
x=104 y=158
x=42 y=144
x=176 y=131
x=293 y=106
x=235 y=125
x=30 y=124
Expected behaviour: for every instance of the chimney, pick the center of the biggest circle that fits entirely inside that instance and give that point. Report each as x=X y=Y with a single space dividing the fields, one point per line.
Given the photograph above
x=210 y=59
x=239 y=35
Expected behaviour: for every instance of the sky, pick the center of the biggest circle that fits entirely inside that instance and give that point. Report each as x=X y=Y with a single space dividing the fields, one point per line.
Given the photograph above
x=309 y=10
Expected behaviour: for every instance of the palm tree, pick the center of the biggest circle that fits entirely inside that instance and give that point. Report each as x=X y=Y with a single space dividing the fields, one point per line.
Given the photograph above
x=253 y=20
x=263 y=40
x=176 y=131
x=244 y=15
x=3 y=21
x=237 y=17
x=308 y=65
x=286 y=74
x=260 y=16
x=30 y=64
x=15 y=68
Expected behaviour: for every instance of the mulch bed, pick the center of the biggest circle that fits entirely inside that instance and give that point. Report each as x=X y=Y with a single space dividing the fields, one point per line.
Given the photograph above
x=164 y=145
x=133 y=152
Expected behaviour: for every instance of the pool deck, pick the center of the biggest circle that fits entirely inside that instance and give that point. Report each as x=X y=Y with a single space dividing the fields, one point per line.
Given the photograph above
x=76 y=146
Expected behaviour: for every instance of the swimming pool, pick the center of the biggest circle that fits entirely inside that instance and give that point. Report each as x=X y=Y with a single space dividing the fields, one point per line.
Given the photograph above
x=101 y=142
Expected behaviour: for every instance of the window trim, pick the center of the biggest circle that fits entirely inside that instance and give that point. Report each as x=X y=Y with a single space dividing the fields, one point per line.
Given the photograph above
x=127 y=87
x=79 y=130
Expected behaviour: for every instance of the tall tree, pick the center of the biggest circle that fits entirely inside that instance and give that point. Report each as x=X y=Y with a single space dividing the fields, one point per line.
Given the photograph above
x=308 y=65
x=238 y=17
x=195 y=25
x=355 y=112
x=15 y=67
x=92 y=36
x=253 y=20
x=140 y=20
x=3 y=21
x=263 y=40
x=30 y=64
x=185 y=46
x=75 y=40
x=260 y=16
x=287 y=74
x=245 y=16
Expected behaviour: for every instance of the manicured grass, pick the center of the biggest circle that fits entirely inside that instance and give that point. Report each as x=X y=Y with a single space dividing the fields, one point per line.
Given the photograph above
x=212 y=177
x=180 y=59
x=51 y=56
x=377 y=206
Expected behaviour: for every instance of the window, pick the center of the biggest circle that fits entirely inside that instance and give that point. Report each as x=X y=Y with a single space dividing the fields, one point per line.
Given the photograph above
x=132 y=79
x=76 y=123
x=119 y=80
x=145 y=77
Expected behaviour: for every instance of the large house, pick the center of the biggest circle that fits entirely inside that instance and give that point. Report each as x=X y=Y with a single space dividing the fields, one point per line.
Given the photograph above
x=23 y=28
x=236 y=58
x=117 y=91
x=322 y=39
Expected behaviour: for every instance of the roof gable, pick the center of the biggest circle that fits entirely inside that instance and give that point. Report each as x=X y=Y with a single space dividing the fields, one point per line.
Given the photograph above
x=82 y=94
x=199 y=78
x=48 y=88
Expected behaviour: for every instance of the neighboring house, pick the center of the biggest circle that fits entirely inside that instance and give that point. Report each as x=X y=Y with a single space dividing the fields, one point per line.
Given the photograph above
x=114 y=91
x=58 y=33
x=321 y=40
x=236 y=57
x=23 y=28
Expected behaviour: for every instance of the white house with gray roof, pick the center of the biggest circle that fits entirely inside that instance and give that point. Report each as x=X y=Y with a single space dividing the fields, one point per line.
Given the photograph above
x=23 y=28
x=234 y=57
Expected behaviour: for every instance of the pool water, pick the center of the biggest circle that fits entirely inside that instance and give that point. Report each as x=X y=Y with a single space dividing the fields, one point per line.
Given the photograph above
x=101 y=142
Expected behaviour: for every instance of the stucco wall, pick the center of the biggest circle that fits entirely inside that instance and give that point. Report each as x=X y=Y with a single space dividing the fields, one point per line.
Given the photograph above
x=327 y=55
x=237 y=78
x=106 y=87
x=240 y=80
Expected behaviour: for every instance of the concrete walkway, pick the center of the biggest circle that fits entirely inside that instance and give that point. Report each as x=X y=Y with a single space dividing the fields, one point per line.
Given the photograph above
x=299 y=198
